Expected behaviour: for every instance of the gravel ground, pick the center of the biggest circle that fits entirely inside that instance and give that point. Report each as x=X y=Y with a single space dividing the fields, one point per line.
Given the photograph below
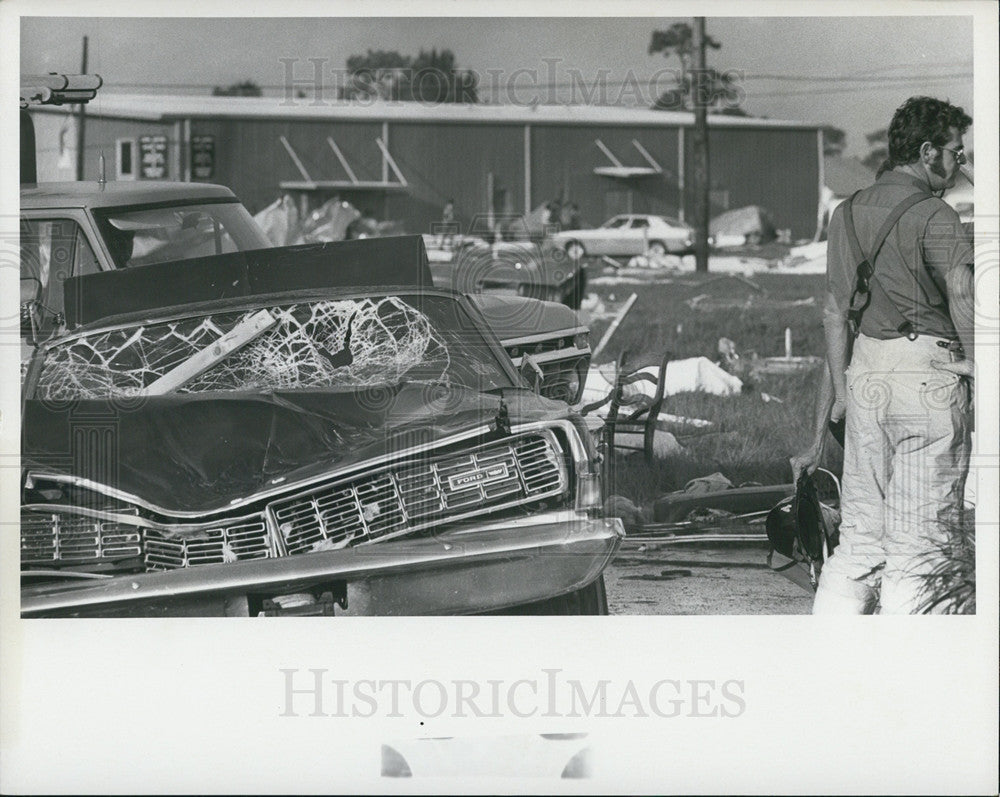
x=709 y=579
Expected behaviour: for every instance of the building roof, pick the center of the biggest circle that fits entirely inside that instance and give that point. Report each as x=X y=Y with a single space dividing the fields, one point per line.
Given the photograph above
x=166 y=108
x=844 y=176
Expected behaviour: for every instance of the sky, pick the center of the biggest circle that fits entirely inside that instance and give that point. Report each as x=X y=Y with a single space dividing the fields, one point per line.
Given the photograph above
x=851 y=72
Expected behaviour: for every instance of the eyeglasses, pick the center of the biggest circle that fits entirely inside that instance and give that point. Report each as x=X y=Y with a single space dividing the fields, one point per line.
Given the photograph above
x=958 y=153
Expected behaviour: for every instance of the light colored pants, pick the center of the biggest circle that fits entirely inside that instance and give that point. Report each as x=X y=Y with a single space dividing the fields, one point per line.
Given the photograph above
x=906 y=456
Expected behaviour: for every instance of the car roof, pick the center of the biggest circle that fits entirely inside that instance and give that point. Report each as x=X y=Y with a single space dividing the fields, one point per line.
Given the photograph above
x=92 y=194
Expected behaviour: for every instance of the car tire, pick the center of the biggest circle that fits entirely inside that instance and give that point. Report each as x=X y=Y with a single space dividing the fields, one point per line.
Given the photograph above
x=575 y=250
x=589 y=600
x=657 y=248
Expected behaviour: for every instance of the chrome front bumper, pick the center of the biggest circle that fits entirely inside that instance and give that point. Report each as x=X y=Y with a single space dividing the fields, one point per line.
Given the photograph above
x=466 y=569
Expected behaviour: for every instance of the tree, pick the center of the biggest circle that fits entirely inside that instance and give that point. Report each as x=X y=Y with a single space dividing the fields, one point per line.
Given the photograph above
x=678 y=40
x=431 y=77
x=720 y=92
x=834 y=140
x=718 y=89
x=245 y=89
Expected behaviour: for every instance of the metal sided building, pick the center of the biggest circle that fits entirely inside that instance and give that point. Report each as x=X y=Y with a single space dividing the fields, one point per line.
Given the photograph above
x=404 y=161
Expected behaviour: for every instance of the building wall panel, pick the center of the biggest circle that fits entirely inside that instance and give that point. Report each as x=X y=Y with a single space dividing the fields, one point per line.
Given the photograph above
x=251 y=159
x=775 y=169
x=452 y=161
x=564 y=158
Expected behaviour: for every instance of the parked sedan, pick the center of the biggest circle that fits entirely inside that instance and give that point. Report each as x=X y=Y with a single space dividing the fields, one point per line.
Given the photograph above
x=628 y=235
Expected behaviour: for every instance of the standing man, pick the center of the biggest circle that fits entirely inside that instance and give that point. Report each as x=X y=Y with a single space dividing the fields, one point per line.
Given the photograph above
x=906 y=393
x=448 y=226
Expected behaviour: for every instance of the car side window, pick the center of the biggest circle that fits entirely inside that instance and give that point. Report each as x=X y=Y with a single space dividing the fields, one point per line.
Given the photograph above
x=52 y=250
x=616 y=223
x=639 y=223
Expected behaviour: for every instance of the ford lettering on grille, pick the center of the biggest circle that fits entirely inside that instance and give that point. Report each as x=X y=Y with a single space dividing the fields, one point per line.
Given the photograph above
x=478 y=477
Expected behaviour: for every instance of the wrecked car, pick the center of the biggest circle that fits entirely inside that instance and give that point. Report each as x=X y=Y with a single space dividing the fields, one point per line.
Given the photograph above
x=71 y=229
x=522 y=268
x=308 y=430
x=547 y=336
x=76 y=228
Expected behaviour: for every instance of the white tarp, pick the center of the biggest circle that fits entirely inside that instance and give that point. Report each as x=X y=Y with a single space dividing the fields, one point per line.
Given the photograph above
x=695 y=374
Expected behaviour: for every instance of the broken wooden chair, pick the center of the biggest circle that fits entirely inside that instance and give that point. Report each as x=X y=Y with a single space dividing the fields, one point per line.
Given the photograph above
x=630 y=414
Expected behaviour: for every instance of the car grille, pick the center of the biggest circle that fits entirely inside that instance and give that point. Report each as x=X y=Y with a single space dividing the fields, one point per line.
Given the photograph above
x=58 y=539
x=404 y=498
x=55 y=539
x=225 y=544
x=420 y=493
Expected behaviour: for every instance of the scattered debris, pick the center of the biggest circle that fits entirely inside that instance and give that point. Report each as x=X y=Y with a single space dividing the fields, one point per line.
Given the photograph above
x=651 y=260
x=784 y=365
x=664 y=443
x=621 y=507
x=753 y=223
x=695 y=374
x=810 y=257
x=711 y=493
x=619 y=317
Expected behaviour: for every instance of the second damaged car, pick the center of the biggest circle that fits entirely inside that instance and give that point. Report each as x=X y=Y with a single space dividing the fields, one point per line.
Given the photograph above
x=309 y=430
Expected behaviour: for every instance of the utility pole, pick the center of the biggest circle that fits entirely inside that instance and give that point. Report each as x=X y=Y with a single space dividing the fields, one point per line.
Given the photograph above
x=700 y=96
x=81 y=122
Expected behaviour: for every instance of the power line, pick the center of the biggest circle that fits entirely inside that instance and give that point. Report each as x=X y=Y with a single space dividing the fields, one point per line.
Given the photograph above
x=300 y=82
x=840 y=90
x=848 y=79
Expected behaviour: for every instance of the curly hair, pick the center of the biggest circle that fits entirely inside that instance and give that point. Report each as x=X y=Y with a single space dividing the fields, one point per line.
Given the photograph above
x=921 y=119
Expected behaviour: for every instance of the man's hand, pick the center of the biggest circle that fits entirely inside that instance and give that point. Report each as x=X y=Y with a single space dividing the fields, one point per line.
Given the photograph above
x=838 y=410
x=806 y=462
x=960 y=367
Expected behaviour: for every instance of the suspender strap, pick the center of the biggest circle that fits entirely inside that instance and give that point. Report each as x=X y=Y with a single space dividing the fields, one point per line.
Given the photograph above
x=866 y=281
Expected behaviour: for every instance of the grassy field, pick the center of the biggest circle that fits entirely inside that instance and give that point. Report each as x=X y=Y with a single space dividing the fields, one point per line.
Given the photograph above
x=686 y=314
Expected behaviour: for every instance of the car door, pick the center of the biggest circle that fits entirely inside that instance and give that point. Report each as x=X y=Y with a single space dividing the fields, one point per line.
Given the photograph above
x=607 y=239
x=53 y=247
x=637 y=236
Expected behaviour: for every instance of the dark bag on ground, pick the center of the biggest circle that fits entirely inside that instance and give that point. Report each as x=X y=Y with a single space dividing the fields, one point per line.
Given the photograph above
x=802 y=531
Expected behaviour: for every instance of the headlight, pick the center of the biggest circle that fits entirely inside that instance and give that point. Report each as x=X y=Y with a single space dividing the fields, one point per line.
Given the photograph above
x=572 y=386
x=581 y=340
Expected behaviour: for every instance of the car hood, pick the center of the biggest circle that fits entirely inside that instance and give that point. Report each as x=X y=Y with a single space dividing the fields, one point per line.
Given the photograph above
x=507 y=262
x=202 y=453
x=513 y=317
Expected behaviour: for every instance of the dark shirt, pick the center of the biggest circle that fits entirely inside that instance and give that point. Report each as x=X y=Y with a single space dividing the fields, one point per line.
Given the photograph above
x=913 y=263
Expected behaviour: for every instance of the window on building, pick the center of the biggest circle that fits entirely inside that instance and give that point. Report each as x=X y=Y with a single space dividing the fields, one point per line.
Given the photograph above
x=125 y=159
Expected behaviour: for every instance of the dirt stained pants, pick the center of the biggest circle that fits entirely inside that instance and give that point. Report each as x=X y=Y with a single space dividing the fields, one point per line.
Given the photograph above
x=906 y=456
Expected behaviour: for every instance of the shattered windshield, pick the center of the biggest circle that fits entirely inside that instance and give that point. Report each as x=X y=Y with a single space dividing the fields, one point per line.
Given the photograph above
x=337 y=344
x=177 y=232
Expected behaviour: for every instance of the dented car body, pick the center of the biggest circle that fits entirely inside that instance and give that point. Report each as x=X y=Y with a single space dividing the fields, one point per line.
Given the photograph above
x=308 y=430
